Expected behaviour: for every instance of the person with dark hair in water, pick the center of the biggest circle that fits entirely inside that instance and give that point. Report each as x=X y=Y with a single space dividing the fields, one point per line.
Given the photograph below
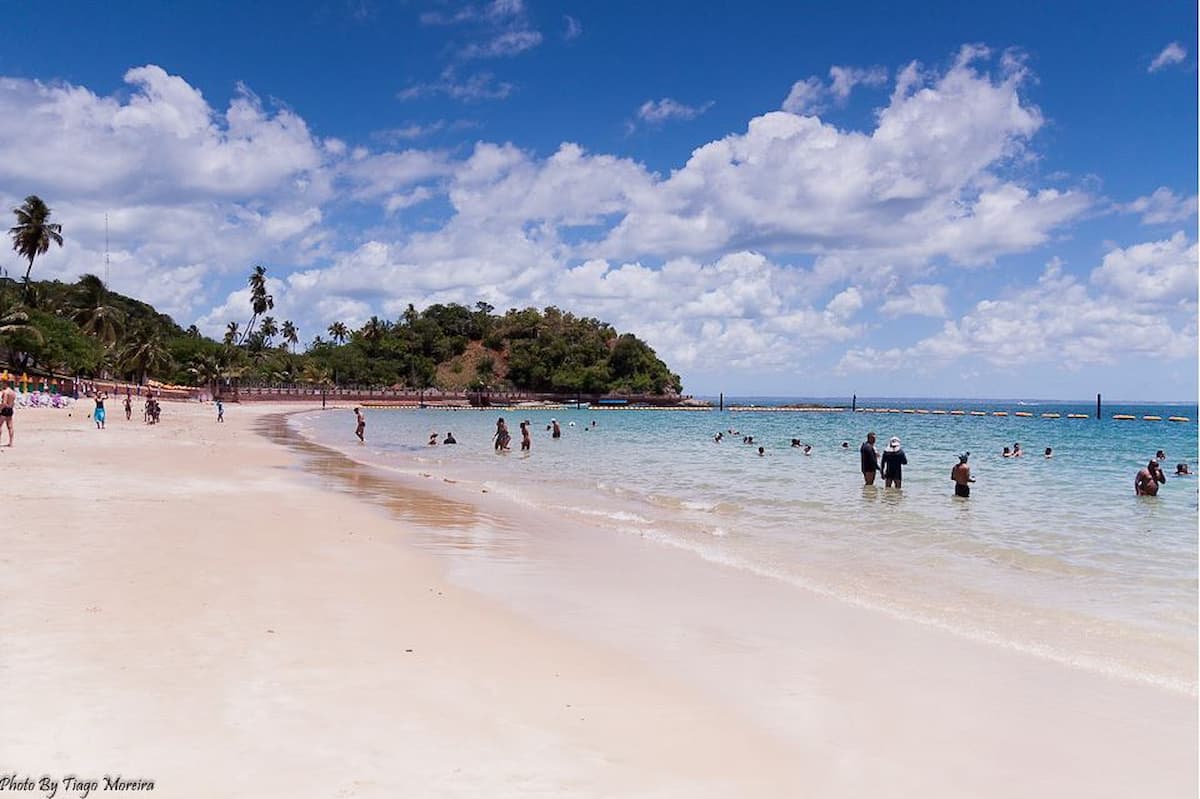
x=360 y=424
x=501 y=437
x=1147 y=481
x=870 y=459
x=961 y=475
x=1182 y=470
x=526 y=442
x=449 y=439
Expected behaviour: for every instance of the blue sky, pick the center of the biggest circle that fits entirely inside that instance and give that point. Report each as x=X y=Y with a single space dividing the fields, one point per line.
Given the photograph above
x=921 y=199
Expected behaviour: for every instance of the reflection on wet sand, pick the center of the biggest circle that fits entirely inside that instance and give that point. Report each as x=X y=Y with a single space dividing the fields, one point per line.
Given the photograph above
x=442 y=525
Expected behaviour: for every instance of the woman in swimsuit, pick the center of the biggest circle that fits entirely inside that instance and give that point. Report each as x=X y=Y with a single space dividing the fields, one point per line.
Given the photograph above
x=360 y=425
x=502 y=437
x=98 y=414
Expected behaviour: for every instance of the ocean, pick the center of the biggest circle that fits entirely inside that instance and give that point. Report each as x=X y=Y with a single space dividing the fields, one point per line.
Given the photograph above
x=1054 y=557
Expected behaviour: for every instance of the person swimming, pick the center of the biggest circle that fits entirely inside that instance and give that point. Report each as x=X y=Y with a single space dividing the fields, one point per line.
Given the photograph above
x=433 y=439
x=761 y=452
x=1049 y=452
x=808 y=449
x=796 y=442
x=1007 y=453
x=1016 y=450
x=449 y=439
x=1182 y=470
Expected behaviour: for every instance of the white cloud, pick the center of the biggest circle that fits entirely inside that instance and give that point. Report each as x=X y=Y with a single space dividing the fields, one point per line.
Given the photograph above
x=573 y=28
x=1154 y=271
x=1173 y=53
x=658 y=111
x=1148 y=295
x=1163 y=206
x=919 y=299
x=804 y=97
x=471 y=89
x=842 y=80
x=508 y=43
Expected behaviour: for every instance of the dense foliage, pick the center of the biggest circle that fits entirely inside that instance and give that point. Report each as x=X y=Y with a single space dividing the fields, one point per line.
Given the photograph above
x=84 y=329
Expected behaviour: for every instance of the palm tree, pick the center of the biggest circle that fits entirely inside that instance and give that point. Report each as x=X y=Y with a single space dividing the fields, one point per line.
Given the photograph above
x=16 y=321
x=374 y=329
x=34 y=232
x=207 y=368
x=231 y=334
x=339 y=332
x=290 y=334
x=268 y=329
x=144 y=352
x=92 y=312
x=193 y=331
x=260 y=300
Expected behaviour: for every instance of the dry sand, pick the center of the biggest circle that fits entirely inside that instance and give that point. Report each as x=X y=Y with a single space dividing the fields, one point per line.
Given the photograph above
x=180 y=603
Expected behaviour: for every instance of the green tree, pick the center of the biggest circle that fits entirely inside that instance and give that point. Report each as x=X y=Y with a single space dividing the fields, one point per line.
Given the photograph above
x=339 y=332
x=260 y=300
x=94 y=314
x=268 y=329
x=34 y=232
x=144 y=353
x=290 y=334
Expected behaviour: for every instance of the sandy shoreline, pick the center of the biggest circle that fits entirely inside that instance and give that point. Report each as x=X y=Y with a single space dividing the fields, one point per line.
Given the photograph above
x=179 y=603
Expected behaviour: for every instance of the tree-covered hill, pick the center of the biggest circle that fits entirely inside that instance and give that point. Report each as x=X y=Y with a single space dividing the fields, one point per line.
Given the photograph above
x=84 y=329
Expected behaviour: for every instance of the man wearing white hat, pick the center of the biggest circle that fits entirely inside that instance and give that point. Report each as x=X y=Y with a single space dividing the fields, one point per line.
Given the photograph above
x=891 y=463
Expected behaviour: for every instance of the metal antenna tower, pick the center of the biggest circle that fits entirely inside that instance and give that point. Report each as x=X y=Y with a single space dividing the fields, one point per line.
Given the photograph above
x=106 y=250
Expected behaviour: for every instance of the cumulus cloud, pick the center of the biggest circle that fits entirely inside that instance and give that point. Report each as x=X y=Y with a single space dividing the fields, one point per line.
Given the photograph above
x=1154 y=271
x=809 y=96
x=761 y=248
x=1147 y=293
x=919 y=299
x=1173 y=53
x=1163 y=206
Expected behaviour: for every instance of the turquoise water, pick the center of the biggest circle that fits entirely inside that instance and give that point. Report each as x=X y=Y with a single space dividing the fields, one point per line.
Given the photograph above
x=1056 y=556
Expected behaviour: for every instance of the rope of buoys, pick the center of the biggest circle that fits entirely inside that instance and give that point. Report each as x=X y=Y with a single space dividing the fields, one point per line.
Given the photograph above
x=1050 y=416
x=1178 y=419
x=1023 y=414
x=958 y=413
x=1151 y=418
x=999 y=413
x=1077 y=416
x=1123 y=417
x=978 y=413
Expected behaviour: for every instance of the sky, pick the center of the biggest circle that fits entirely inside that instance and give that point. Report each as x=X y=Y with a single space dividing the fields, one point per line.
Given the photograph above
x=895 y=199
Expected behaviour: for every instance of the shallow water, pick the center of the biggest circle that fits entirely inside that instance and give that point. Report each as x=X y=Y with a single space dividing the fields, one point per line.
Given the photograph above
x=1055 y=557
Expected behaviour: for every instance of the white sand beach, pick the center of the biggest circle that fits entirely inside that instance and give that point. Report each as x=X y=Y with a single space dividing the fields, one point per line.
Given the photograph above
x=181 y=603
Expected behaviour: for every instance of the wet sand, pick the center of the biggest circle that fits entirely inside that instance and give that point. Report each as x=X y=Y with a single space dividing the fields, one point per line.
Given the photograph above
x=185 y=603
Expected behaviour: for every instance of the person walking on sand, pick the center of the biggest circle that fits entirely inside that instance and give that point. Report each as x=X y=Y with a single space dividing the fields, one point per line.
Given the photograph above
x=526 y=443
x=128 y=407
x=961 y=475
x=220 y=411
x=8 y=404
x=360 y=424
x=98 y=414
x=870 y=459
x=892 y=462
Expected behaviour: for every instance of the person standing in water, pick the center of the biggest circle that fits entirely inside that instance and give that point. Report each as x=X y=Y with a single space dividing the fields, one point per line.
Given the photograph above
x=8 y=405
x=501 y=437
x=360 y=424
x=961 y=475
x=525 y=440
x=557 y=431
x=892 y=463
x=1146 y=483
x=870 y=459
